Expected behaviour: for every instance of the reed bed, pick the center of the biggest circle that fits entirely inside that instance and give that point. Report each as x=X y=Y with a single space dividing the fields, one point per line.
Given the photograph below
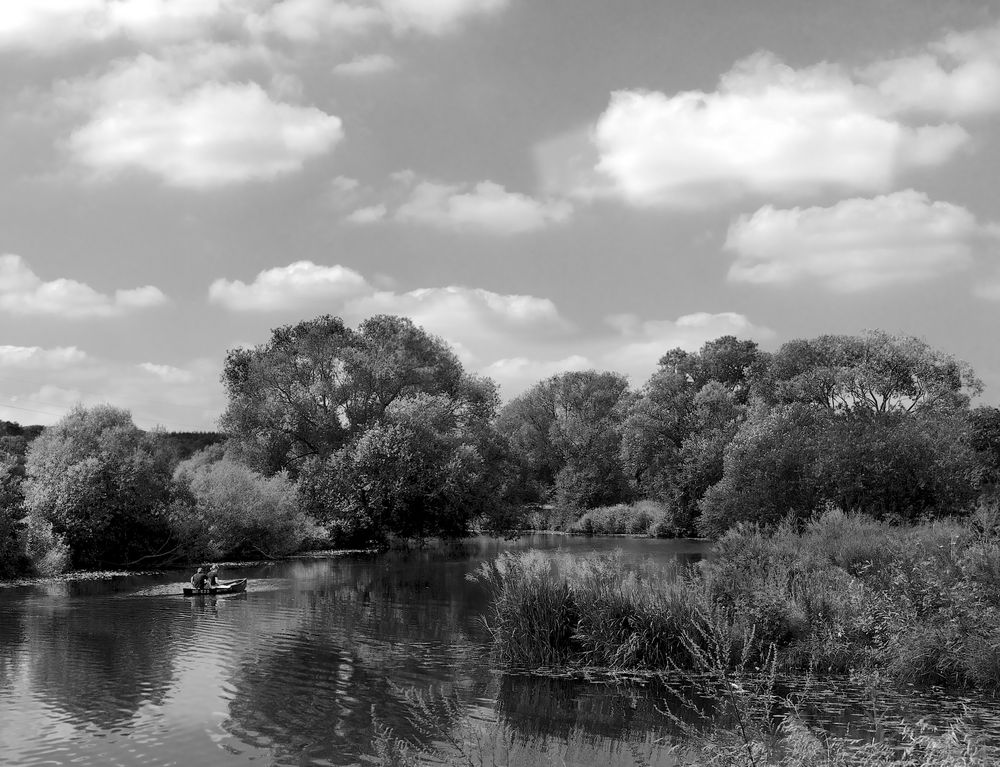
x=845 y=593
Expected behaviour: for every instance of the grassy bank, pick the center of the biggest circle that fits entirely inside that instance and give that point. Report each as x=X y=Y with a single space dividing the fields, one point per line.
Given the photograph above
x=919 y=603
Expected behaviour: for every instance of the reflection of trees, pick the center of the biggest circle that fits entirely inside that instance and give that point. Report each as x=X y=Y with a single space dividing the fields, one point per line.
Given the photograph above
x=101 y=662
x=368 y=631
x=12 y=639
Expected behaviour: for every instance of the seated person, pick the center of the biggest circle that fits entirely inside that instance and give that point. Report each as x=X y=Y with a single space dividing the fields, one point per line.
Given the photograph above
x=213 y=577
x=198 y=579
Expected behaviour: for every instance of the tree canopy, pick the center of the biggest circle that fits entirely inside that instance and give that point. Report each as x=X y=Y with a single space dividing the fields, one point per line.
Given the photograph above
x=318 y=384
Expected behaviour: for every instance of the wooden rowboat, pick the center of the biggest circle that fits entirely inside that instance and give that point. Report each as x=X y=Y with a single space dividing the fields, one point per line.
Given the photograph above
x=224 y=587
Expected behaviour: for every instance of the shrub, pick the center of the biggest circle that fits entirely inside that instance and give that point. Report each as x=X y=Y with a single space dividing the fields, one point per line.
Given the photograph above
x=228 y=509
x=647 y=518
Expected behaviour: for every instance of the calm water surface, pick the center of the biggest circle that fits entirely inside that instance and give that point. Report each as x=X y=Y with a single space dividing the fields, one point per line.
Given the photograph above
x=128 y=672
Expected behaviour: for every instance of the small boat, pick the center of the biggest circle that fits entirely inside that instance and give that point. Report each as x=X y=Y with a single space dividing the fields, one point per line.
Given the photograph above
x=224 y=587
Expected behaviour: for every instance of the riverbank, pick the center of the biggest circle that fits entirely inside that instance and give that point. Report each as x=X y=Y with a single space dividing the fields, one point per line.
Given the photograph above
x=919 y=604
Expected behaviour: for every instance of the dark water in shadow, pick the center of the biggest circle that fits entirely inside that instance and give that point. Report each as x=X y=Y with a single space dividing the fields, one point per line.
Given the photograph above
x=128 y=672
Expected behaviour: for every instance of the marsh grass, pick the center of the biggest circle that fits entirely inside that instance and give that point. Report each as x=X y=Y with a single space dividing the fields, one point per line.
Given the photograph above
x=845 y=593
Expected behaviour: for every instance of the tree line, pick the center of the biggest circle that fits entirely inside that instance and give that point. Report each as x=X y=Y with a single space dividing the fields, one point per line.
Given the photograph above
x=335 y=435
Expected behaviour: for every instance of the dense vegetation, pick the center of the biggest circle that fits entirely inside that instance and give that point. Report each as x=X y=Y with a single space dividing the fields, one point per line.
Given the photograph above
x=343 y=436
x=917 y=603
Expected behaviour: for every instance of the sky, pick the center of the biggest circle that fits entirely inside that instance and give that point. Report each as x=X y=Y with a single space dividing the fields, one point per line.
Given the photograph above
x=548 y=186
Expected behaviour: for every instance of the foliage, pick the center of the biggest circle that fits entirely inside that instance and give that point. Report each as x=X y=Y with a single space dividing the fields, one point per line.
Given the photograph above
x=426 y=468
x=226 y=509
x=871 y=375
x=13 y=559
x=319 y=384
x=103 y=484
x=848 y=592
x=565 y=432
x=794 y=459
x=647 y=518
x=676 y=431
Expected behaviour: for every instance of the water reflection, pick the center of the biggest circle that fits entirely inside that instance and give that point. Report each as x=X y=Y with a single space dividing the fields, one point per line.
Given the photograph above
x=127 y=671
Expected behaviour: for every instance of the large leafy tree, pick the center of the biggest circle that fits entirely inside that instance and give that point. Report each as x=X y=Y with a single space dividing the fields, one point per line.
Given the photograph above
x=317 y=385
x=872 y=375
x=102 y=484
x=876 y=423
x=675 y=432
x=566 y=431
x=425 y=468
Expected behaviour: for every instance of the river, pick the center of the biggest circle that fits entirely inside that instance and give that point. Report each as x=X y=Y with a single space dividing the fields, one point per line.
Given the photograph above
x=126 y=671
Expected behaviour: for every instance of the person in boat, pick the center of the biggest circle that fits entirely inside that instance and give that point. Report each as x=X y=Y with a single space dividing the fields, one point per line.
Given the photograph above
x=213 y=577
x=199 y=578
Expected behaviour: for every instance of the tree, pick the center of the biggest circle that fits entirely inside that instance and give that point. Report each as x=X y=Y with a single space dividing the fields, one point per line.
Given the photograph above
x=985 y=440
x=102 y=484
x=869 y=376
x=13 y=559
x=795 y=459
x=226 y=509
x=566 y=431
x=425 y=468
x=319 y=384
x=675 y=433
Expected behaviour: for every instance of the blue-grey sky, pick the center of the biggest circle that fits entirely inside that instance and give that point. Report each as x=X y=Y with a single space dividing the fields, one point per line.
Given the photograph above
x=547 y=185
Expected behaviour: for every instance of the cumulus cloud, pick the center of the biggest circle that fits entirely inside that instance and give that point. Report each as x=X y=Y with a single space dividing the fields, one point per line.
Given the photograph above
x=211 y=135
x=181 y=397
x=167 y=373
x=367 y=215
x=38 y=358
x=958 y=75
x=641 y=343
x=857 y=244
x=24 y=292
x=768 y=129
x=287 y=287
x=467 y=316
x=49 y=26
x=486 y=207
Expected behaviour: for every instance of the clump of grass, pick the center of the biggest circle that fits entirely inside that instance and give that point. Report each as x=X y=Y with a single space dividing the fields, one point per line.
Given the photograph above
x=844 y=593
x=644 y=518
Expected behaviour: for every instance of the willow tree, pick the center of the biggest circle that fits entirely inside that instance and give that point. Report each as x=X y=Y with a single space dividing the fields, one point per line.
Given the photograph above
x=316 y=385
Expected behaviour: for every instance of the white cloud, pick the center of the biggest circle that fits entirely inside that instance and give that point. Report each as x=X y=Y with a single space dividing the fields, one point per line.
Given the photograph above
x=373 y=64
x=436 y=16
x=315 y=21
x=184 y=397
x=167 y=373
x=367 y=215
x=768 y=129
x=37 y=358
x=517 y=374
x=24 y=292
x=857 y=244
x=641 y=343
x=287 y=287
x=958 y=75
x=214 y=134
x=486 y=207
x=472 y=317
x=48 y=26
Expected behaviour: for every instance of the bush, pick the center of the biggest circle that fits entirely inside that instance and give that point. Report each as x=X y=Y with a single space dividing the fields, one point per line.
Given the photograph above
x=647 y=518
x=227 y=509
